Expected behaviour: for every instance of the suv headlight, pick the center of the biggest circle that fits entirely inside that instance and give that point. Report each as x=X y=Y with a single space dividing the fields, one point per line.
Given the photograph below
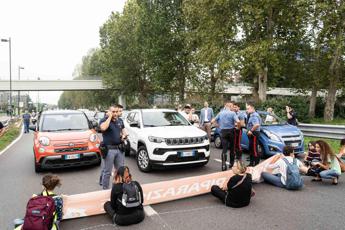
x=156 y=139
x=93 y=137
x=271 y=135
x=44 y=141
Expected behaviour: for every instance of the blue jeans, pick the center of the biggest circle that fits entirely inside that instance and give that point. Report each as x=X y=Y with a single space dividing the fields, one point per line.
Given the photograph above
x=273 y=179
x=26 y=126
x=329 y=174
x=114 y=158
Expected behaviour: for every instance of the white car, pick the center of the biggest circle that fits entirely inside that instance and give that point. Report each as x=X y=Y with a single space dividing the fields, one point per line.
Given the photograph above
x=163 y=137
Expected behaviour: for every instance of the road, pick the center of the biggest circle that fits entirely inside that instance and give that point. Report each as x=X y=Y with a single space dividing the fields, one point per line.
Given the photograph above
x=317 y=206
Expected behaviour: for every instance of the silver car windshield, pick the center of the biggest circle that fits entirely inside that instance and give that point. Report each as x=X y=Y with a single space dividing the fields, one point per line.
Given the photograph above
x=64 y=122
x=163 y=118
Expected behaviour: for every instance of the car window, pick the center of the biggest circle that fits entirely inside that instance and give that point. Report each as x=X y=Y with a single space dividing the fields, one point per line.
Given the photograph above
x=163 y=118
x=270 y=119
x=130 y=117
x=136 y=117
x=62 y=122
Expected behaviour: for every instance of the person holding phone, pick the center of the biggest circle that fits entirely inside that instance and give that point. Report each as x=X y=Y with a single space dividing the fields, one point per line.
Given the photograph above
x=291 y=116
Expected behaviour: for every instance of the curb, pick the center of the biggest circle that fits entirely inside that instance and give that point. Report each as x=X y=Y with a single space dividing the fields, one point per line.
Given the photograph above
x=13 y=142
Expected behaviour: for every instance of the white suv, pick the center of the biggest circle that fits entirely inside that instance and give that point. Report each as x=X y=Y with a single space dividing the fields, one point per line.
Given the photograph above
x=163 y=137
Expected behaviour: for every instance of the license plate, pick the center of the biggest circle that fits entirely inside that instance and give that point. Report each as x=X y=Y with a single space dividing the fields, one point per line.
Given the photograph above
x=72 y=156
x=187 y=154
x=294 y=144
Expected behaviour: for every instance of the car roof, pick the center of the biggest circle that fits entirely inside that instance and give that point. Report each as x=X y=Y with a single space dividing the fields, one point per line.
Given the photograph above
x=154 y=110
x=51 y=112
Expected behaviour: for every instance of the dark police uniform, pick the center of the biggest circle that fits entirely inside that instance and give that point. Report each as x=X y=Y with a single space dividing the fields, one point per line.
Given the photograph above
x=227 y=120
x=238 y=136
x=112 y=139
x=254 y=118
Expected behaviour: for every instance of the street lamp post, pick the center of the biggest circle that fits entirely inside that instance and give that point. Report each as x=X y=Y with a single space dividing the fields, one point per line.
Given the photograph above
x=19 y=68
x=9 y=44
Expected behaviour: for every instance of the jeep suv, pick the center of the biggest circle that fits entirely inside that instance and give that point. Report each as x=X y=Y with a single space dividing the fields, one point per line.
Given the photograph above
x=273 y=136
x=162 y=137
x=65 y=138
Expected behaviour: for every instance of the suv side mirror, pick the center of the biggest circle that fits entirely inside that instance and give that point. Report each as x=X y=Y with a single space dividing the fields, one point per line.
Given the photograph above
x=134 y=124
x=32 y=127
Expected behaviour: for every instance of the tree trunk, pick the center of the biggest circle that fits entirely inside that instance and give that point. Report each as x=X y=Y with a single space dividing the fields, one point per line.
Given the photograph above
x=255 y=94
x=182 y=90
x=262 y=82
x=213 y=82
x=312 y=103
x=328 y=114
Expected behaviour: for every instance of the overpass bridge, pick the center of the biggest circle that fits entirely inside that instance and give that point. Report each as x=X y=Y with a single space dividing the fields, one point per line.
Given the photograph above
x=79 y=85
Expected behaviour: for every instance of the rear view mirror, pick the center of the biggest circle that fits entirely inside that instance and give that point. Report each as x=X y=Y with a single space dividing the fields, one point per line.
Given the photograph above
x=94 y=124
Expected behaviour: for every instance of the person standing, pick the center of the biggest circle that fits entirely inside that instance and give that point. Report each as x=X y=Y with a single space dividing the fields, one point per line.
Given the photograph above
x=238 y=131
x=206 y=116
x=2 y=129
x=26 y=120
x=253 y=133
x=227 y=121
x=112 y=130
x=291 y=116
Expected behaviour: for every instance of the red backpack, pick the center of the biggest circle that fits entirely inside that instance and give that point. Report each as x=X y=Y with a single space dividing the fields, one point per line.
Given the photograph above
x=39 y=213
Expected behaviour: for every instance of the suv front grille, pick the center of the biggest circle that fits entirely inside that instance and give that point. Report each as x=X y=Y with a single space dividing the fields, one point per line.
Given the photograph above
x=75 y=149
x=184 y=140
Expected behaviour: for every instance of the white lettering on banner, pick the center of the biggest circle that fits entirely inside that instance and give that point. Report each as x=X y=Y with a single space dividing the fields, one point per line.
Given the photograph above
x=184 y=189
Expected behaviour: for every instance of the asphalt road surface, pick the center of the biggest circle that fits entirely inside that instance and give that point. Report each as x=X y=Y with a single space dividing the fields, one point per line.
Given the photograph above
x=317 y=206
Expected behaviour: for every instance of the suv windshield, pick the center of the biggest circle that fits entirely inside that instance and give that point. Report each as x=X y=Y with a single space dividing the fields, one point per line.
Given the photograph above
x=62 y=122
x=162 y=118
x=271 y=119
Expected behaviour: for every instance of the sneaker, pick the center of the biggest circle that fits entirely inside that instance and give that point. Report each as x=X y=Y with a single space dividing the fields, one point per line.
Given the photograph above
x=335 y=181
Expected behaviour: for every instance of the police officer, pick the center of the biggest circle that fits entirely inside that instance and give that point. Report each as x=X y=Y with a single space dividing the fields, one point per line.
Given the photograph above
x=26 y=120
x=238 y=132
x=227 y=121
x=112 y=132
x=253 y=132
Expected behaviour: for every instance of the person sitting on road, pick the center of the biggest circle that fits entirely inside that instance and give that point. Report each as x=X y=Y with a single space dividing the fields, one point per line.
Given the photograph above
x=125 y=205
x=2 y=129
x=49 y=183
x=329 y=165
x=238 y=191
x=312 y=156
x=279 y=166
x=342 y=148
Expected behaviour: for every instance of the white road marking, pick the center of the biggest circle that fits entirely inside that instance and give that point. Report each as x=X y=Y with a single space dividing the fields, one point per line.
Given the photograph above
x=150 y=211
x=220 y=161
x=13 y=142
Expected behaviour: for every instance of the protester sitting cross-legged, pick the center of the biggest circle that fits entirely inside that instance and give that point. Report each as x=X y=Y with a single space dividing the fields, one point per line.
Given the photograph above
x=312 y=157
x=125 y=205
x=238 y=191
x=329 y=165
x=286 y=170
x=47 y=205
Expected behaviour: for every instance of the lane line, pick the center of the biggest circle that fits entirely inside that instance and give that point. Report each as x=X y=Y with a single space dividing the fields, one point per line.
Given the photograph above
x=13 y=142
x=149 y=211
x=220 y=161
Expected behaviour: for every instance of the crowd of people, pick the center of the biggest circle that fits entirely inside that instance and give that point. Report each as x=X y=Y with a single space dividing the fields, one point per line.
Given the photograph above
x=125 y=206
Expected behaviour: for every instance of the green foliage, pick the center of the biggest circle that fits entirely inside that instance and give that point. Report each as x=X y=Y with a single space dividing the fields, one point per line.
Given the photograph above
x=10 y=135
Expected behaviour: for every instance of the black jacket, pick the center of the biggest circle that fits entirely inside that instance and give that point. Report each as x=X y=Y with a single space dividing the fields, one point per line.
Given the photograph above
x=240 y=196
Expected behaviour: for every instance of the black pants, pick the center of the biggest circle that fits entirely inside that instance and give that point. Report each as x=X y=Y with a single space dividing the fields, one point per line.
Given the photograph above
x=238 y=148
x=218 y=192
x=227 y=137
x=253 y=148
x=133 y=218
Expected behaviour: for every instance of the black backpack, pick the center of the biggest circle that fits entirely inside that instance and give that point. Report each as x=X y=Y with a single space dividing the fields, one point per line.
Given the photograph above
x=131 y=196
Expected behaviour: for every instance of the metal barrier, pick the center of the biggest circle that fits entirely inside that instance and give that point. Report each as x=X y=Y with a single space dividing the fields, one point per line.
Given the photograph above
x=323 y=131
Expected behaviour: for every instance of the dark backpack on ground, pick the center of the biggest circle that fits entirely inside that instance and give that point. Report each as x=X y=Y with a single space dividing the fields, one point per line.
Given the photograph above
x=131 y=196
x=39 y=213
x=294 y=180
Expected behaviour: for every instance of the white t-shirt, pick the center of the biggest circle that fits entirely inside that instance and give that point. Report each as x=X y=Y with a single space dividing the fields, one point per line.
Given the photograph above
x=206 y=117
x=280 y=167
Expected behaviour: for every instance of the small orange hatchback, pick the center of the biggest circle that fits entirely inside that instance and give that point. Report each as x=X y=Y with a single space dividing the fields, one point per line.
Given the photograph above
x=65 y=138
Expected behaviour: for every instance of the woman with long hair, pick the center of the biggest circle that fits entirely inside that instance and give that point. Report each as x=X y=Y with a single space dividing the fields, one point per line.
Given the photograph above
x=329 y=163
x=125 y=205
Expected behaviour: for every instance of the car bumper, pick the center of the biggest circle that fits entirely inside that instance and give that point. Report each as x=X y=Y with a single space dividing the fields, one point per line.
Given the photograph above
x=60 y=161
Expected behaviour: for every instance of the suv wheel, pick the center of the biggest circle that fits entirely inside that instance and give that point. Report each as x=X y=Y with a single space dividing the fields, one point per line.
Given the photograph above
x=218 y=142
x=143 y=160
x=37 y=166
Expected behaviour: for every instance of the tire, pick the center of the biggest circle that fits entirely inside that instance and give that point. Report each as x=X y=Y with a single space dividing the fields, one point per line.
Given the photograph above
x=218 y=142
x=143 y=159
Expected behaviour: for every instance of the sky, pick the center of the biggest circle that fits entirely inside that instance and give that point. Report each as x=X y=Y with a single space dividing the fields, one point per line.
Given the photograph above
x=50 y=37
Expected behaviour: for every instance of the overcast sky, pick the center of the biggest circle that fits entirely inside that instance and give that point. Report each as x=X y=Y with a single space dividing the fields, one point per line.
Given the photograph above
x=50 y=37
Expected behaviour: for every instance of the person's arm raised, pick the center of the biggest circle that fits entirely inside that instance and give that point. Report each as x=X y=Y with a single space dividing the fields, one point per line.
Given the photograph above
x=105 y=125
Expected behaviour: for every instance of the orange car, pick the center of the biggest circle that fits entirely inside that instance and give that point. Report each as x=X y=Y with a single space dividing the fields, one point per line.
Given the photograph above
x=65 y=138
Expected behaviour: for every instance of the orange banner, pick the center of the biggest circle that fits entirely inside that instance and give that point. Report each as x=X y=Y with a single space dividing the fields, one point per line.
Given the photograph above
x=88 y=204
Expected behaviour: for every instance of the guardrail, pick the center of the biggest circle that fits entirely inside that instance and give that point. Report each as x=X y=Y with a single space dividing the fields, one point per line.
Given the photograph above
x=323 y=131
